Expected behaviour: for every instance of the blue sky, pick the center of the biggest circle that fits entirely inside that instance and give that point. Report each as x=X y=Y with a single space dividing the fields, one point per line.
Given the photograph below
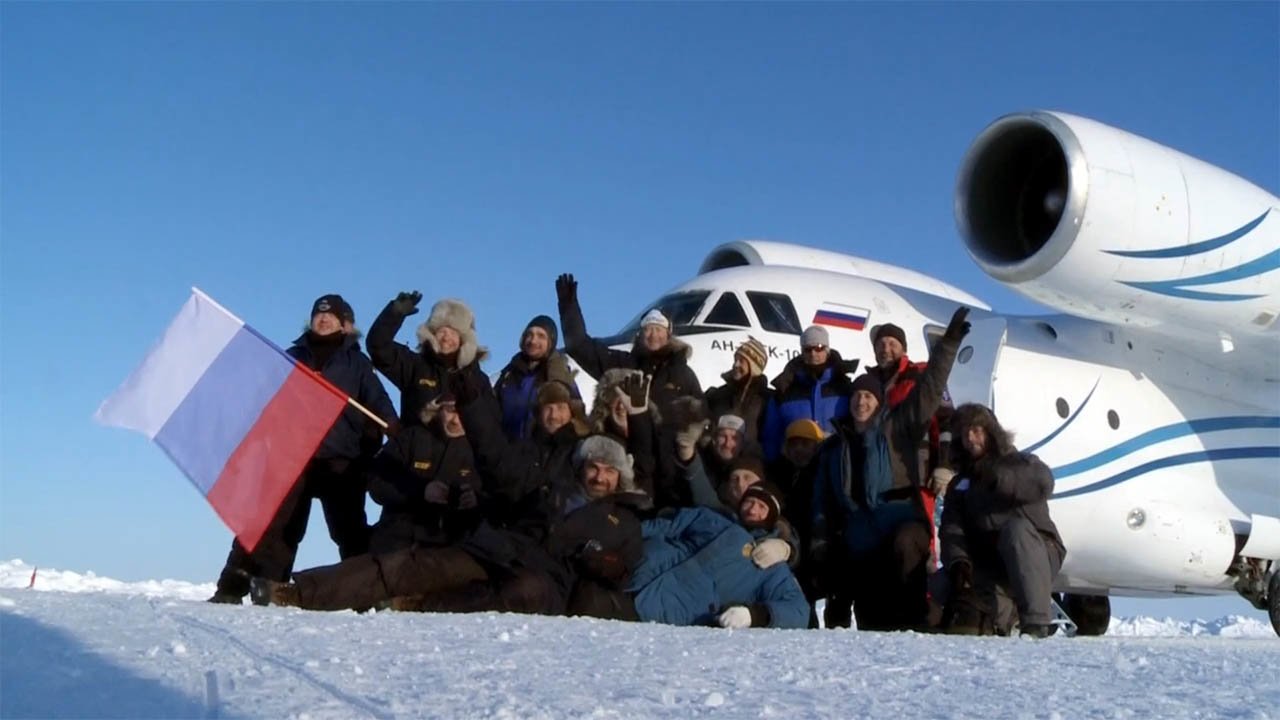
x=270 y=153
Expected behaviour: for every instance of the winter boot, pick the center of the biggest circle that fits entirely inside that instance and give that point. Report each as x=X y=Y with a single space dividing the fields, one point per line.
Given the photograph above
x=966 y=614
x=225 y=598
x=1037 y=632
x=265 y=592
x=405 y=603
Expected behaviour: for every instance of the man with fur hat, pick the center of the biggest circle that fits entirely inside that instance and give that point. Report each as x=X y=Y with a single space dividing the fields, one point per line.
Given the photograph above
x=998 y=540
x=334 y=475
x=870 y=537
x=447 y=345
x=588 y=531
x=515 y=468
x=535 y=364
x=745 y=392
x=814 y=386
x=426 y=481
x=656 y=350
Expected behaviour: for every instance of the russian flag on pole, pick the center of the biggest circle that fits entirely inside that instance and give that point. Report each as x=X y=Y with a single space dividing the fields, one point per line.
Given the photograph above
x=233 y=411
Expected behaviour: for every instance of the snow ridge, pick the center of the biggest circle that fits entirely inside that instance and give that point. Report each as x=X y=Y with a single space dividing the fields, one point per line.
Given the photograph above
x=16 y=574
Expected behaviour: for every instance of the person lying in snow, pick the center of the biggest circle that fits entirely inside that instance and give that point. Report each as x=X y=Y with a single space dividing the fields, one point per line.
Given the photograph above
x=529 y=567
x=699 y=568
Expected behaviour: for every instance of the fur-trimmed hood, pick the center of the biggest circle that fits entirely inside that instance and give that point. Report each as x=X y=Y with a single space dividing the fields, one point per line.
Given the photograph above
x=454 y=314
x=607 y=389
x=840 y=368
x=676 y=350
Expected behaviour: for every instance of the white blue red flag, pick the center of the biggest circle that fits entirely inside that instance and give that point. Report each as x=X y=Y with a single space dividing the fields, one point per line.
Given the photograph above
x=235 y=413
x=841 y=316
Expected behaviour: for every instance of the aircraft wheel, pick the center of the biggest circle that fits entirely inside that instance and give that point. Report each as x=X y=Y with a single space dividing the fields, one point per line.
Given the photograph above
x=1091 y=613
x=1273 y=600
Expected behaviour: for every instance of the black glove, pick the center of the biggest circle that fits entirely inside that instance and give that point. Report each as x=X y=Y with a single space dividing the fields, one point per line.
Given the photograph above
x=961 y=572
x=436 y=492
x=566 y=289
x=406 y=303
x=636 y=387
x=959 y=325
x=467 y=498
x=602 y=563
x=464 y=387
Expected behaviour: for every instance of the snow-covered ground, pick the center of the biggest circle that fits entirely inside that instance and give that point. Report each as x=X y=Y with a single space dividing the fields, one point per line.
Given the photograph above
x=95 y=647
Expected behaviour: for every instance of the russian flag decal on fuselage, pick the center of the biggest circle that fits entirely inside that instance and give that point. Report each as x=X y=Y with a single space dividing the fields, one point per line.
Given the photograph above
x=842 y=316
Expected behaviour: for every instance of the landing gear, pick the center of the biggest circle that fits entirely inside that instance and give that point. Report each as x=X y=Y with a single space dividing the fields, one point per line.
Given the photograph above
x=1090 y=613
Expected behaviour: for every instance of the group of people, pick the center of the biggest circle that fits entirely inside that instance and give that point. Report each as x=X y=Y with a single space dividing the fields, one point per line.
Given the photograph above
x=741 y=506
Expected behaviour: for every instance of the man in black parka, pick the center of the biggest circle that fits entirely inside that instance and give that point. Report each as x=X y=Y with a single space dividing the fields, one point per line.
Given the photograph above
x=335 y=474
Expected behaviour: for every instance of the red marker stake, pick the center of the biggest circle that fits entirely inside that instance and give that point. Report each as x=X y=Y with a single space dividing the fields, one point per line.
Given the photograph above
x=33 y=578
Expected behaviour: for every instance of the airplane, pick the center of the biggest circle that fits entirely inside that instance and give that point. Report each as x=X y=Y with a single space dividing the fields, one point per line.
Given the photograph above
x=1153 y=391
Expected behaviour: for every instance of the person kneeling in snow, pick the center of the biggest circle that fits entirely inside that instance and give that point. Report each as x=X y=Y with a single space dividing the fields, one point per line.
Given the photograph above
x=998 y=541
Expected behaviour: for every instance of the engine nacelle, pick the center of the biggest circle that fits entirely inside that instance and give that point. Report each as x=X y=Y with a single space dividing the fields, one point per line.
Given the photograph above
x=1105 y=225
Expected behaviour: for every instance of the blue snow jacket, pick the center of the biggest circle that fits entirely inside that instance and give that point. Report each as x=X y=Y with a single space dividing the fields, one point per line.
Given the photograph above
x=517 y=391
x=798 y=395
x=698 y=562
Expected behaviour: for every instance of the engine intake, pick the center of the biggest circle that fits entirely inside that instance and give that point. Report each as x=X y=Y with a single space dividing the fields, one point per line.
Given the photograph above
x=1105 y=225
x=1013 y=193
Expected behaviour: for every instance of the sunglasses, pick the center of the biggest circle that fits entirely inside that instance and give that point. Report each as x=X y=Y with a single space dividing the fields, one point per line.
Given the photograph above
x=816 y=349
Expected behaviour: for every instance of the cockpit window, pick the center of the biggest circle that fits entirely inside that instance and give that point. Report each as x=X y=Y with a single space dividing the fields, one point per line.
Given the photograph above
x=681 y=308
x=775 y=312
x=728 y=311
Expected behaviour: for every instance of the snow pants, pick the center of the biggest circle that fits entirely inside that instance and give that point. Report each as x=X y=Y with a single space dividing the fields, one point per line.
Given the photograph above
x=1022 y=569
x=887 y=586
x=339 y=484
x=362 y=582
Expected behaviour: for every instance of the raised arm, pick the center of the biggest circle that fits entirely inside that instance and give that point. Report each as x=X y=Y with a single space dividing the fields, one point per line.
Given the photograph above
x=912 y=415
x=391 y=358
x=593 y=356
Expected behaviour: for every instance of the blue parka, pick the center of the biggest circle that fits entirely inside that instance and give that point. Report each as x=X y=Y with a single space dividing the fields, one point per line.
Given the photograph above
x=697 y=563
x=798 y=395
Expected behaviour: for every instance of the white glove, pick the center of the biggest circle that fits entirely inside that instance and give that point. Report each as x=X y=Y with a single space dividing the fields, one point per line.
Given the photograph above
x=940 y=479
x=736 y=618
x=770 y=552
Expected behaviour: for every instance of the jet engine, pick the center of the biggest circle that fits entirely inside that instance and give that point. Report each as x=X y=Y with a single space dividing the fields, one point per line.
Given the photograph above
x=1105 y=225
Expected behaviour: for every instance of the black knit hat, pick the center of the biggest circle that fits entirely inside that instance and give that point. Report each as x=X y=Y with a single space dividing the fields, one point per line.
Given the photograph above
x=766 y=493
x=871 y=384
x=890 y=330
x=548 y=326
x=333 y=303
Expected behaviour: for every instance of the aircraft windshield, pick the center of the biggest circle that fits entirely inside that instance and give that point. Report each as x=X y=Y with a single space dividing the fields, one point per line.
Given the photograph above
x=680 y=307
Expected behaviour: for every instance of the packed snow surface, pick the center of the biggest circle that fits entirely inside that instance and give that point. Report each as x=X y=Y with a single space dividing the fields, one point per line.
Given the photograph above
x=94 y=647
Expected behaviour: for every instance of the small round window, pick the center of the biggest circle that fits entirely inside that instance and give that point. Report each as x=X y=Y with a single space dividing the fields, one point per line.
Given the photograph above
x=1063 y=408
x=965 y=355
x=1113 y=419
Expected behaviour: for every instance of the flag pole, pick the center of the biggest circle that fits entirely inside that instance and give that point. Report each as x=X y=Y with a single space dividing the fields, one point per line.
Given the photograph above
x=314 y=375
